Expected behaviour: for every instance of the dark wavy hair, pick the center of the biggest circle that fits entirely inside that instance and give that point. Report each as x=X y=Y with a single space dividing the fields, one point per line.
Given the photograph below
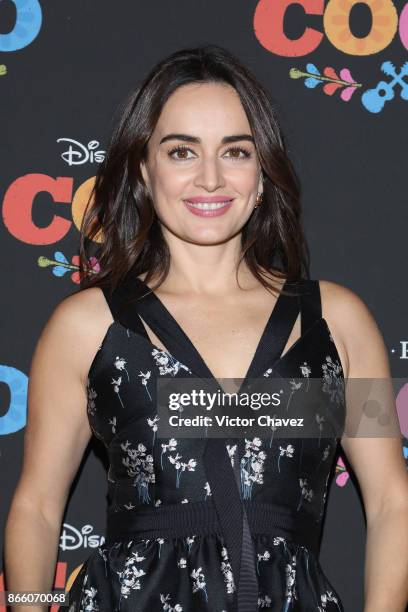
x=120 y=212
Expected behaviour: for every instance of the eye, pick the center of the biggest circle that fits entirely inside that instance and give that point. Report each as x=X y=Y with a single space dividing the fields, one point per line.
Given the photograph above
x=239 y=150
x=179 y=149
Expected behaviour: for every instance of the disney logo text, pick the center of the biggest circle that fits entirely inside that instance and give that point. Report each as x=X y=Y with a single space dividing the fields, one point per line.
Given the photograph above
x=78 y=153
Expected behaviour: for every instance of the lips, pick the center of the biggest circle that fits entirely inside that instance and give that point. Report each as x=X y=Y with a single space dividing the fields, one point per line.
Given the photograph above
x=208 y=207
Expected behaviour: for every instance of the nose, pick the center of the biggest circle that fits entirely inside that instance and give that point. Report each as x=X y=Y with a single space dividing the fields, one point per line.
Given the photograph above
x=209 y=174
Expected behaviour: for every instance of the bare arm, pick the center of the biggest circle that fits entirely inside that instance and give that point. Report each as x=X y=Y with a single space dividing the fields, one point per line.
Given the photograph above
x=377 y=461
x=56 y=436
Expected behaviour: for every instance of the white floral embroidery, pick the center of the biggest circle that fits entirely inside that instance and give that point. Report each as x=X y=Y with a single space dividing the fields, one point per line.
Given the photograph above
x=333 y=380
x=181 y=466
x=306 y=370
x=171 y=446
x=231 y=452
x=88 y=601
x=288 y=452
x=145 y=379
x=207 y=490
x=166 y=606
x=129 y=577
x=119 y=364
x=324 y=598
x=227 y=571
x=265 y=556
x=295 y=386
x=129 y=506
x=160 y=542
x=264 y=602
x=167 y=364
x=252 y=466
x=199 y=583
x=140 y=466
x=190 y=541
x=153 y=424
x=305 y=493
x=116 y=387
x=112 y=422
x=290 y=591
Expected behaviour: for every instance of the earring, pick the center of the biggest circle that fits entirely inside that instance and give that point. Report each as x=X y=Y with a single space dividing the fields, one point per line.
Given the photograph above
x=259 y=199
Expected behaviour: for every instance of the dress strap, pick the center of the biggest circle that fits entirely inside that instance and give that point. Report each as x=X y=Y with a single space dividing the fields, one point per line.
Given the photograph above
x=119 y=301
x=122 y=299
x=310 y=304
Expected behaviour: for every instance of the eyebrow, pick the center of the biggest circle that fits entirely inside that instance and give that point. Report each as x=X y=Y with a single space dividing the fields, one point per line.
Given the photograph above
x=196 y=140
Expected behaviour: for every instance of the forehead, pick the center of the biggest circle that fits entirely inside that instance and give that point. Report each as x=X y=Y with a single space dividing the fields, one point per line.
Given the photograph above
x=203 y=108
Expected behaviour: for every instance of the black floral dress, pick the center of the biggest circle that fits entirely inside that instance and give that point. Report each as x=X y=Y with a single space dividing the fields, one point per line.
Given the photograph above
x=207 y=524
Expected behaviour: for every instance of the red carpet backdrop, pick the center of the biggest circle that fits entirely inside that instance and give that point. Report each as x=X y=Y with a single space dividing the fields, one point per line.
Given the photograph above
x=338 y=71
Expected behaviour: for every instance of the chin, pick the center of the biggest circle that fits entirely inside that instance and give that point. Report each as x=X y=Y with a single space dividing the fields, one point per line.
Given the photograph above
x=205 y=235
x=210 y=238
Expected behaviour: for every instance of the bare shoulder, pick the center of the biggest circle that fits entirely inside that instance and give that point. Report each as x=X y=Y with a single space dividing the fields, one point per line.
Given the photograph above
x=341 y=303
x=76 y=328
x=354 y=330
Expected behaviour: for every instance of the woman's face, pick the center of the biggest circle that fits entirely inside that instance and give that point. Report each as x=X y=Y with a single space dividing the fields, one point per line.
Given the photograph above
x=202 y=152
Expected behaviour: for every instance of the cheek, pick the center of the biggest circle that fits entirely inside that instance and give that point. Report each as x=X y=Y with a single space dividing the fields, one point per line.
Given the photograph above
x=245 y=180
x=245 y=170
x=170 y=185
x=250 y=180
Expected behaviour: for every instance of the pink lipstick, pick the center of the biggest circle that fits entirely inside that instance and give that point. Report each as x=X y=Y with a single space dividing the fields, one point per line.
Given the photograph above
x=208 y=206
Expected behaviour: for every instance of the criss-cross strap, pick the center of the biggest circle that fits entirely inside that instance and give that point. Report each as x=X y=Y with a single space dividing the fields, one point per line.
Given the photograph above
x=133 y=300
x=120 y=303
x=153 y=311
x=277 y=331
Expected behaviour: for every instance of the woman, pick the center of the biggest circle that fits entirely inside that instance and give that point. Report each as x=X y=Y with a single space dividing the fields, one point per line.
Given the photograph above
x=203 y=273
